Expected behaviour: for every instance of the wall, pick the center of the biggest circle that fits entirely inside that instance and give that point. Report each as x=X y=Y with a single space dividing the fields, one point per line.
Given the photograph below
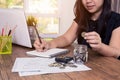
x=66 y=15
x=116 y=5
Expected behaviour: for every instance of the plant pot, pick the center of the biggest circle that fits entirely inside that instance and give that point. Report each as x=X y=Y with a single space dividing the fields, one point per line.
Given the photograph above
x=32 y=33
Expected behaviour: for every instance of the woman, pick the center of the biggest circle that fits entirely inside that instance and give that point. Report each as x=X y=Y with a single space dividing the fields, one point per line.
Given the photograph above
x=102 y=27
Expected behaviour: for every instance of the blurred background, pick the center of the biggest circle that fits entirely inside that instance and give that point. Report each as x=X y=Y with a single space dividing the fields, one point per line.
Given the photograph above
x=52 y=17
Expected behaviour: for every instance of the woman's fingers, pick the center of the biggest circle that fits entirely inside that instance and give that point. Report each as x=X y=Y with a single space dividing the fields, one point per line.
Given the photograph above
x=93 y=39
x=40 y=46
x=91 y=35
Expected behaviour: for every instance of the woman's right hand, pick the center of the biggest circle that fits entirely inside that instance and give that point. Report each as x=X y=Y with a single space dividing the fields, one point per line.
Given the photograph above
x=41 y=46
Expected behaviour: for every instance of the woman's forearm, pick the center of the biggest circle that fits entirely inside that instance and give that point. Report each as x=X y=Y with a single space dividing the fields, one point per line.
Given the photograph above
x=59 y=42
x=107 y=50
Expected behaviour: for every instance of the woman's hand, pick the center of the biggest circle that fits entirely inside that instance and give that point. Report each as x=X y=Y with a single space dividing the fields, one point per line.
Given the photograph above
x=41 y=46
x=94 y=40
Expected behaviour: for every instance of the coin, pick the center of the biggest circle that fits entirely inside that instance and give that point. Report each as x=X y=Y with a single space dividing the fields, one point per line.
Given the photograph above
x=51 y=65
x=62 y=66
x=83 y=34
x=71 y=65
x=54 y=64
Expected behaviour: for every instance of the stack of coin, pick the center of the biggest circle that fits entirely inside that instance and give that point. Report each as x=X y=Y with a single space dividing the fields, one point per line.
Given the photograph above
x=62 y=65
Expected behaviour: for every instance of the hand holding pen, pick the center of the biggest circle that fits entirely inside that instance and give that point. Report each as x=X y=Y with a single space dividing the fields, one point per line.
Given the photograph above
x=37 y=32
x=39 y=44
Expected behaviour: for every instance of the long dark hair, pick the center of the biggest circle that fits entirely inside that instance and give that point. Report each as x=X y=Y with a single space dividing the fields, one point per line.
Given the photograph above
x=82 y=15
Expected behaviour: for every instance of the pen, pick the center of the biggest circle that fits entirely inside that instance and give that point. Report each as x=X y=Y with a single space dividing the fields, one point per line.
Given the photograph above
x=2 y=32
x=9 y=32
x=13 y=30
x=37 y=33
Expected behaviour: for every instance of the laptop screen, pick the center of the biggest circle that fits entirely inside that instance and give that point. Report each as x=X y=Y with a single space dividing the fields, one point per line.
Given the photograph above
x=14 y=19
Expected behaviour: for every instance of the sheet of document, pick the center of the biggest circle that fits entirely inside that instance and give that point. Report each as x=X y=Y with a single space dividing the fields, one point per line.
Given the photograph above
x=49 y=53
x=36 y=66
x=30 y=64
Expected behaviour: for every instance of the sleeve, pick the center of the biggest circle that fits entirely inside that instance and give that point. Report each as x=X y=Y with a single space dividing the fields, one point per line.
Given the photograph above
x=117 y=21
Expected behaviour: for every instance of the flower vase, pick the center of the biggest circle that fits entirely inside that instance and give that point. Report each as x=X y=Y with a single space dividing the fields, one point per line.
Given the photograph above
x=32 y=33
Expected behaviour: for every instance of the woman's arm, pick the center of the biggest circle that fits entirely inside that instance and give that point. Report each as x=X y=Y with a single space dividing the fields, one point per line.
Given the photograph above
x=115 y=43
x=66 y=39
x=113 y=49
x=62 y=41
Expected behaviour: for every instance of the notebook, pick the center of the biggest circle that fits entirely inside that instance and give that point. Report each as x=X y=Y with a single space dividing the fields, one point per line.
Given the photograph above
x=49 y=53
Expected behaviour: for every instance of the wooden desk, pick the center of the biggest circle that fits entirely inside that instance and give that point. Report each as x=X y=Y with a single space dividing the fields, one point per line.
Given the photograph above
x=103 y=68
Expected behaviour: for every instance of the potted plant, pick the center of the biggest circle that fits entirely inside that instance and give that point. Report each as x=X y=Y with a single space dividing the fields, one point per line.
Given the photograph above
x=30 y=20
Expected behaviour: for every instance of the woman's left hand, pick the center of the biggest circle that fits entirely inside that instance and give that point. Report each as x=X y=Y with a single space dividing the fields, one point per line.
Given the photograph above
x=94 y=40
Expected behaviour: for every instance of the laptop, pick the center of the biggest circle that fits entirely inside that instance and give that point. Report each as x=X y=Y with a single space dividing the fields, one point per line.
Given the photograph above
x=15 y=18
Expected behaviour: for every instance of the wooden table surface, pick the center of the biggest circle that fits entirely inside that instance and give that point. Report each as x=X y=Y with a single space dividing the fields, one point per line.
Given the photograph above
x=103 y=68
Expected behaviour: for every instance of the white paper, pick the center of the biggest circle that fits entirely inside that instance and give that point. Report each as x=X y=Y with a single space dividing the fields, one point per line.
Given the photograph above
x=55 y=70
x=29 y=64
x=35 y=66
x=49 y=53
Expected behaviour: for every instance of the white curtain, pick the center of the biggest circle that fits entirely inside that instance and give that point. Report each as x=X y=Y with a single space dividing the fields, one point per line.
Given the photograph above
x=116 y=5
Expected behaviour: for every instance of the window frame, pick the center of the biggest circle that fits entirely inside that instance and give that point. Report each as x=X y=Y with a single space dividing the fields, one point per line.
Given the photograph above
x=47 y=35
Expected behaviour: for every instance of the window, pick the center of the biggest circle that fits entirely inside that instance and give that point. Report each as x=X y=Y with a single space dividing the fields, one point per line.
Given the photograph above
x=11 y=4
x=46 y=12
x=42 y=6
